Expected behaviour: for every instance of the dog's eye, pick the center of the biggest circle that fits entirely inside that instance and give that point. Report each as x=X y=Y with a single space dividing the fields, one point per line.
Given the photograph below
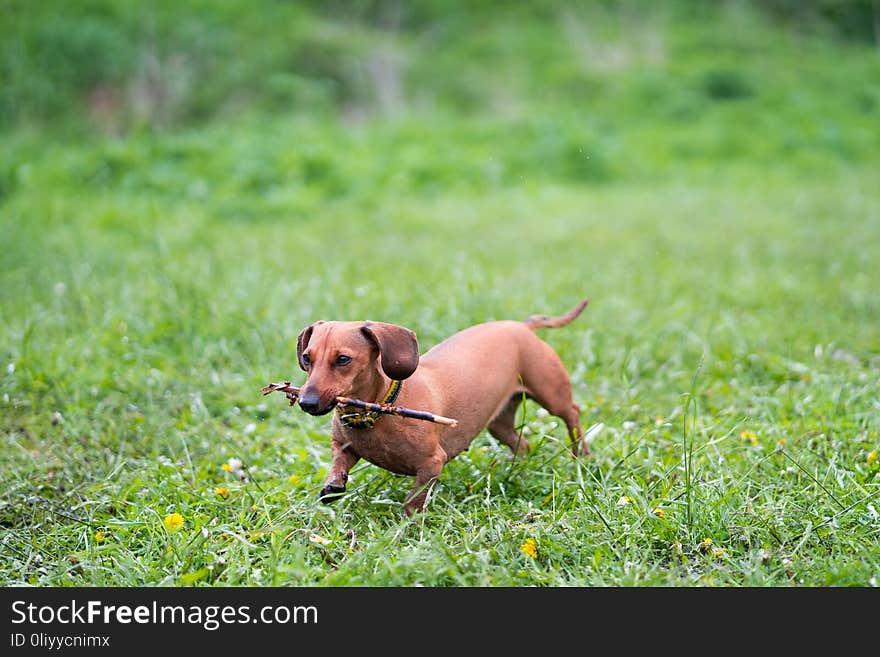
x=342 y=359
x=306 y=359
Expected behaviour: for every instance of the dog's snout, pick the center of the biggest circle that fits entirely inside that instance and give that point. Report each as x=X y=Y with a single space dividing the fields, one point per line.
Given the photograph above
x=310 y=402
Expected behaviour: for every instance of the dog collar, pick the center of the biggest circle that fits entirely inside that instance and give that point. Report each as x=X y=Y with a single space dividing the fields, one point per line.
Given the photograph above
x=366 y=419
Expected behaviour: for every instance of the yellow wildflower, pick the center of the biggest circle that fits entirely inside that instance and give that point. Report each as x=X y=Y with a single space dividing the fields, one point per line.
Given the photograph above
x=751 y=436
x=173 y=521
x=293 y=480
x=872 y=456
x=658 y=420
x=529 y=548
x=781 y=442
x=222 y=491
x=624 y=500
x=99 y=536
x=717 y=552
x=660 y=513
x=226 y=467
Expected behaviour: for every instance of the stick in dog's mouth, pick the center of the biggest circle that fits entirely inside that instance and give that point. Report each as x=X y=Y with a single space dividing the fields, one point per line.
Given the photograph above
x=292 y=394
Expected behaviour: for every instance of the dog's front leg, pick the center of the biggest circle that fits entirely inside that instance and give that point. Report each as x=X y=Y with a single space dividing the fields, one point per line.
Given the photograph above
x=344 y=459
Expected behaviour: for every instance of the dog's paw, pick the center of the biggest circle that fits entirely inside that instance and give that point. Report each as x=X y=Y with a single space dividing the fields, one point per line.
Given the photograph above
x=330 y=493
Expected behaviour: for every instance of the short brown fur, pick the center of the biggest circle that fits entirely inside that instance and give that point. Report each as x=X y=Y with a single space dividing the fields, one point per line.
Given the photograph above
x=478 y=376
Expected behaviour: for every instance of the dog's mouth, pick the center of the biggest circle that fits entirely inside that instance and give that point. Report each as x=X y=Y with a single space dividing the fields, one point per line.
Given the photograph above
x=314 y=409
x=322 y=411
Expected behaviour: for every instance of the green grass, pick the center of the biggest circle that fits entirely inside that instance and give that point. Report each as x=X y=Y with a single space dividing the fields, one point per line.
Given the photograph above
x=719 y=209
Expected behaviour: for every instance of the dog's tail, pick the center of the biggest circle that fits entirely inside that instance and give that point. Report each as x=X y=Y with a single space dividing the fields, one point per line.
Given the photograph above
x=543 y=321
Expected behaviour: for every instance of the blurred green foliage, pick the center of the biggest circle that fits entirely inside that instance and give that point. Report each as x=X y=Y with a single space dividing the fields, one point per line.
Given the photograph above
x=115 y=66
x=588 y=92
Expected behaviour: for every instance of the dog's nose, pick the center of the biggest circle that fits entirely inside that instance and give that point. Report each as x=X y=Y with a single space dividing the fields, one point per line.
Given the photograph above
x=310 y=402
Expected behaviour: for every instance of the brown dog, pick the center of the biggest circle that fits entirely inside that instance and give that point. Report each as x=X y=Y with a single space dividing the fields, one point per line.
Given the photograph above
x=478 y=376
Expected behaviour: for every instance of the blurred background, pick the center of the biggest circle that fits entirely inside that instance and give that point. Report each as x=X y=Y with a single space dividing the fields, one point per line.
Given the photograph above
x=114 y=67
x=572 y=91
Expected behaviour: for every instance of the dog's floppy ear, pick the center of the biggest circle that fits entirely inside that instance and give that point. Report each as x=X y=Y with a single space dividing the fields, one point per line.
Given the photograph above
x=398 y=348
x=303 y=341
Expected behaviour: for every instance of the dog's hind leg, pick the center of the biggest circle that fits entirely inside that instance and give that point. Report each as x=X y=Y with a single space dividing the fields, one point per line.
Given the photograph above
x=426 y=477
x=562 y=406
x=572 y=419
x=570 y=413
x=548 y=384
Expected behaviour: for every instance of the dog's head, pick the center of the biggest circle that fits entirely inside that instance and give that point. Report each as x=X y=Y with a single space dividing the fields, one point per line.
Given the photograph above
x=343 y=359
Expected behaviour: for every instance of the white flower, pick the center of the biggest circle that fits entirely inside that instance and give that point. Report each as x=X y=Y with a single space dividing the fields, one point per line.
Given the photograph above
x=629 y=426
x=236 y=468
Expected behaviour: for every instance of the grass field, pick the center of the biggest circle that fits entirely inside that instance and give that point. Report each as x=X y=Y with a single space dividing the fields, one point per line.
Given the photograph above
x=708 y=179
